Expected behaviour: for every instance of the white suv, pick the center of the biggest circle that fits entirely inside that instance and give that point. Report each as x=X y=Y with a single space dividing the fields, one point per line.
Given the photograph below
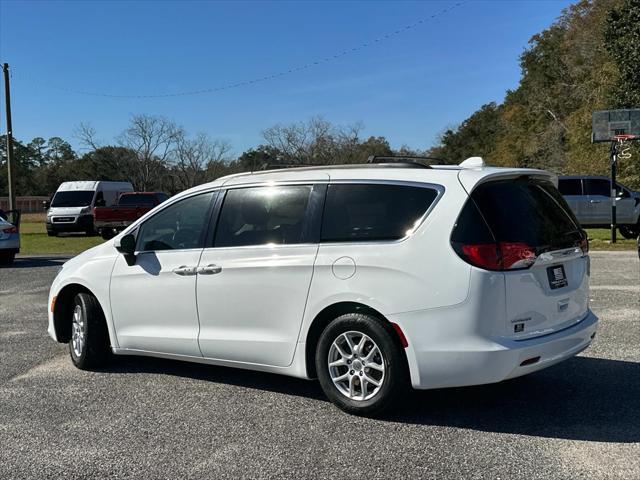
x=371 y=278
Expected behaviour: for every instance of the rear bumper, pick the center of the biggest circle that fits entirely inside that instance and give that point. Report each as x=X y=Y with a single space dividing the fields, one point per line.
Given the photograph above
x=116 y=224
x=10 y=244
x=479 y=361
x=80 y=224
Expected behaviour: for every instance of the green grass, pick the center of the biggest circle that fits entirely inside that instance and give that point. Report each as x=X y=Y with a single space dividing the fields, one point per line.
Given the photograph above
x=600 y=239
x=34 y=239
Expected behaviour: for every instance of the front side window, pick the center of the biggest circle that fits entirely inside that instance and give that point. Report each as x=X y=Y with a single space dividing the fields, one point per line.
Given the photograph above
x=355 y=212
x=570 y=186
x=179 y=226
x=263 y=215
x=599 y=187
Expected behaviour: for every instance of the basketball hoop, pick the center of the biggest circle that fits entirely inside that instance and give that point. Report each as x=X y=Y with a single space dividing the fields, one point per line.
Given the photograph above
x=624 y=151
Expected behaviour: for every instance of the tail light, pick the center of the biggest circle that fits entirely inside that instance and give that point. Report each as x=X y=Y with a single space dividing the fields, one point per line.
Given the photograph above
x=498 y=256
x=584 y=245
x=10 y=230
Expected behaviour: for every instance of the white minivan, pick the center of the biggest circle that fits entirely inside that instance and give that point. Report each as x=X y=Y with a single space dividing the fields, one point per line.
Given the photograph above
x=71 y=207
x=371 y=278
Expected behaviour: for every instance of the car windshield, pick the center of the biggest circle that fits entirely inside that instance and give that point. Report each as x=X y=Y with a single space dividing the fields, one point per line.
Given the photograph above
x=75 y=198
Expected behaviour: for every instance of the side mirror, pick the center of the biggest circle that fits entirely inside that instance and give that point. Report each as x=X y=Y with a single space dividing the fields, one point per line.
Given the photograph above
x=46 y=204
x=127 y=244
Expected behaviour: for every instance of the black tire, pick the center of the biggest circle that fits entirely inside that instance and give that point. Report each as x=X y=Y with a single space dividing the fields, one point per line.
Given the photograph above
x=396 y=379
x=51 y=233
x=94 y=352
x=7 y=258
x=107 y=233
x=629 y=232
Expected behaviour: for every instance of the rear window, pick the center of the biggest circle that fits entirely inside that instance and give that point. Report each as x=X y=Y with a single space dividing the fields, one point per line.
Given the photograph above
x=518 y=211
x=139 y=200
x=570 y=186
x=356 y=212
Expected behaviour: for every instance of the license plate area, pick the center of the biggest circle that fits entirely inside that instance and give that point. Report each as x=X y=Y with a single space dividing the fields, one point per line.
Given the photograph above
x=557 y=277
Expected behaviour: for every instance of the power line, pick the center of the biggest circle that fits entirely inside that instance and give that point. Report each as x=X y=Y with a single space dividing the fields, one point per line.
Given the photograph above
x=282 y=73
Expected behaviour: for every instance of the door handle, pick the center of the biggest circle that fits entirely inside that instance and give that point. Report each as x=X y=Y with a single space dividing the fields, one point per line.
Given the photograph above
x=210 y=269
x=185 y=271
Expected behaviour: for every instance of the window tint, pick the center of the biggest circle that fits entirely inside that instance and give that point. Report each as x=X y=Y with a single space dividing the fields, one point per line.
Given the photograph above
x=570 y=186
x=373 y=212
x=598 y=187
x=527 y=211
x=262 y=215
x=137 y=199
x=179 y=226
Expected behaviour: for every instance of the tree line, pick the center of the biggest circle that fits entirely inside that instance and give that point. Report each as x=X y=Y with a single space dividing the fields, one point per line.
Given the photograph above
x=589 y=59
x=155 y=154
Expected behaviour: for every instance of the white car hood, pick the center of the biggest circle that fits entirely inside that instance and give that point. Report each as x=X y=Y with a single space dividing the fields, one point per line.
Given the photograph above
x=64 y=210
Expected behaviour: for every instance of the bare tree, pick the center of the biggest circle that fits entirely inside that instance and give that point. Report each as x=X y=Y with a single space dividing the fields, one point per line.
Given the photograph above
x=152 y=138
x=86 y=134
x=199 y=160
x=314 y=142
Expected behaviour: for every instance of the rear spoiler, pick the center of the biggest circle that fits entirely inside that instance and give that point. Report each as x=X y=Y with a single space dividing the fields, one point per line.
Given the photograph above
x=470 y=177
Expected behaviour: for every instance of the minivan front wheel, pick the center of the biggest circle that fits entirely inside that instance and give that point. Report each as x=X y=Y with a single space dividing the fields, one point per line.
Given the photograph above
x=89 y=342
x=360 y=365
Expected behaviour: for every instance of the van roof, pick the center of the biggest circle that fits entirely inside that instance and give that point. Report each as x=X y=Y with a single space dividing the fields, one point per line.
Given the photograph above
x=91 y=185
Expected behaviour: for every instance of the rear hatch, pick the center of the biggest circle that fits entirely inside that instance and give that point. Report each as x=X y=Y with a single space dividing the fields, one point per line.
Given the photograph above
x=523 y=228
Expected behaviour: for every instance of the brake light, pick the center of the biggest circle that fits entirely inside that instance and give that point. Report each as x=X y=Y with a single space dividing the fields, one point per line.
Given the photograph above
x=499 y=256
x=485 y=255
x=584 y=245
x=10 y=230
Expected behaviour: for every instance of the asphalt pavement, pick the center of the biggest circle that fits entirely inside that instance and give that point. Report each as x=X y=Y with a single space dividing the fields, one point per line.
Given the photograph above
x=149 y=418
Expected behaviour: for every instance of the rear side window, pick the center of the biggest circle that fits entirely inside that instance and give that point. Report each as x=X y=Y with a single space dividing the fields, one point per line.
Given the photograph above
x=263 y=215
x=356 y=212
x=138 y=200
x=570 y=186
x=598 y=186
x=522 y=211
x=179 y=226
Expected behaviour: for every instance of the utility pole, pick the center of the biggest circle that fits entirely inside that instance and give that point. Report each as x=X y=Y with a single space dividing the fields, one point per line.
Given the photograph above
x=7 y=99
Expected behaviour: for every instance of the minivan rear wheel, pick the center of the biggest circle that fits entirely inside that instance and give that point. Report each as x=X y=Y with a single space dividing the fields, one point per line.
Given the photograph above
x=89 y=342
x=360 y=364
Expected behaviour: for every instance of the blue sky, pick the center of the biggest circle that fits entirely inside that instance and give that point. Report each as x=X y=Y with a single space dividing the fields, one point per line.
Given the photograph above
x=407 y=88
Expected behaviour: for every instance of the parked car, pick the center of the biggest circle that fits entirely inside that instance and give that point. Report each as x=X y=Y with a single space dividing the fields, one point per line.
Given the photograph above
x=590 y=200
x=109 y=221
x=9 y=236
x=371 y=278
x=71 y=208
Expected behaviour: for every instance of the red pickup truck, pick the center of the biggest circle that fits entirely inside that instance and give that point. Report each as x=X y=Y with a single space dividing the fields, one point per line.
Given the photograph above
x=108 y=221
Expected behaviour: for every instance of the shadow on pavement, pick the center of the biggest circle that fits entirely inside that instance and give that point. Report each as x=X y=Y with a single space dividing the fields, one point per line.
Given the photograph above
x=592 y=399
x=35 y=262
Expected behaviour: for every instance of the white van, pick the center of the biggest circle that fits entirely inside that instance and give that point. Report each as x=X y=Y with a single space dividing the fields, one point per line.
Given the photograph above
x=70 y=209
x=369 y=277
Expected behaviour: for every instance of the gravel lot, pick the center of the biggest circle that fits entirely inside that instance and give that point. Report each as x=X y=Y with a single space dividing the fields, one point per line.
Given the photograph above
x=147 y=418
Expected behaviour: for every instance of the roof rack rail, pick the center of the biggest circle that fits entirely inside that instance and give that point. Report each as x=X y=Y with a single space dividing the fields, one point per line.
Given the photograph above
x=415 y=161
x=275 y=166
